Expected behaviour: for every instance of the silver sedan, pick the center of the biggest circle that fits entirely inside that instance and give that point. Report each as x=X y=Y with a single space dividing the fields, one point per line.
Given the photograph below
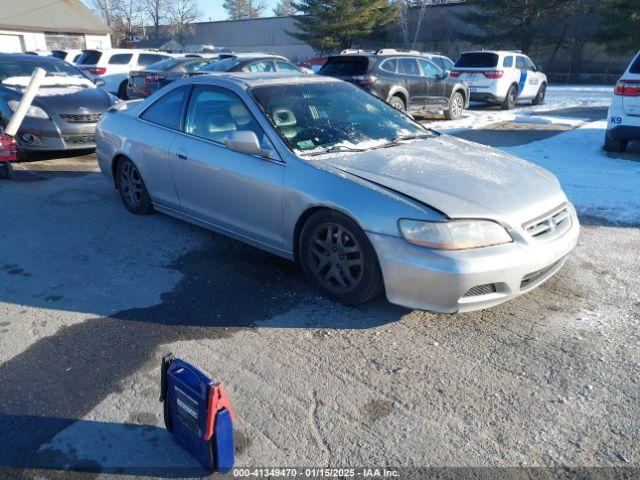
x=363 y=197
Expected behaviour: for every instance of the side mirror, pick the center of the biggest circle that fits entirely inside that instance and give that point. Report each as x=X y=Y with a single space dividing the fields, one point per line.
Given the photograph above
x=244 y=141
x=99 y=82
x=538 y=68
x=445 y=74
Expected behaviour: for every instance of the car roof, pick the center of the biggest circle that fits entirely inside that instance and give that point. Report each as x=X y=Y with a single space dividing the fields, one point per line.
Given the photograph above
x=249 y=80
x=497 y=52
x=26 y=56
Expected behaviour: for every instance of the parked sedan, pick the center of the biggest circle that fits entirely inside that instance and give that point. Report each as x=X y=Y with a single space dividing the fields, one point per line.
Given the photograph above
x=64 y=113
x=143 y=83
x=364 y=198
x=251 y=63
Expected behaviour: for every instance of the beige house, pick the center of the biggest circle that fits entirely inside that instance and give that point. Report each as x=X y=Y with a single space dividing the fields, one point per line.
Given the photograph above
x=34 y=25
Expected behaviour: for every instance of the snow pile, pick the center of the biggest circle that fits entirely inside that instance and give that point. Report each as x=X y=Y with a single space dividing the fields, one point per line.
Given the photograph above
x=599 y=185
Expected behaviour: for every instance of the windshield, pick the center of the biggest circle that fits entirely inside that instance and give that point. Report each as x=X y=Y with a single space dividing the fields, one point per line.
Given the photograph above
x=58 y=73
x=315 y=118
x=477 y=60
x=222 y=65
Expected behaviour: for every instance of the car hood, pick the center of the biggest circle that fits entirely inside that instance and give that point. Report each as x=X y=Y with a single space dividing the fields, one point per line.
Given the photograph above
x=459 y=178
x=65 y=99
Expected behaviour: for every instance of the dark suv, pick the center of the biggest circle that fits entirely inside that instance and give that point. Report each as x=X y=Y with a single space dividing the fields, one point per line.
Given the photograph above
x=407 y=80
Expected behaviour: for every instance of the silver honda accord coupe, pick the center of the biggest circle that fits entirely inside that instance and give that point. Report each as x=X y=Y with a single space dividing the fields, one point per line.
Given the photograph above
x=363 y=197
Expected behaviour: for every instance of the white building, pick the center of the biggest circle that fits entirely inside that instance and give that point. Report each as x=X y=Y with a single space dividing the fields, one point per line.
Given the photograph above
x=31 y=25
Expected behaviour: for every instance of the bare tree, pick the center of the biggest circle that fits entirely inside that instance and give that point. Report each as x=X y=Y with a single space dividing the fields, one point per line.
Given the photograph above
x=181 y=13
x=406 y=11
x=156 y=10
x=103 y=9
x=285 y=8
x=243 y=9
x=127 y=16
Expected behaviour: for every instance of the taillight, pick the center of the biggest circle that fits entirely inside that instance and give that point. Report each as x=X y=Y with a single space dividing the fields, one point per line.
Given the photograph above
x=455 y=74
x=627 y=88
x=493 y=73
x=95 y=71
x=364 y=79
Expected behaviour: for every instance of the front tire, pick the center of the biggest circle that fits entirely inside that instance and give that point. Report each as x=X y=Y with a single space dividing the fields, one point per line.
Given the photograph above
x=456 y=107
x=398 y=103
x=510 y=100
x=338 y=259
x=539 y=98
x=132 y=190
x=614 y=145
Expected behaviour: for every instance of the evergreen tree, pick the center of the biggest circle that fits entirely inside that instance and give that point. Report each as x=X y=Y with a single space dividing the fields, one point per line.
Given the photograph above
x=620 y=25
x=331 y=25
x=506 y=23
x=285 y=9
x=243 y=9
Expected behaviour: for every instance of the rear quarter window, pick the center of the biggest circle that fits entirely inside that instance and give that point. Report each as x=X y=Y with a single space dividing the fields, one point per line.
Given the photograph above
x=508 y=61
x=477 y=60
x=390 y=65
x=120 y=59
x=346 y=66
x=166 y=110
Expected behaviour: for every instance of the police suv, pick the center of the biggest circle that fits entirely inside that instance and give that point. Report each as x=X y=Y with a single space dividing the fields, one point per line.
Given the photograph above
x=501 y=77
x=624 y=111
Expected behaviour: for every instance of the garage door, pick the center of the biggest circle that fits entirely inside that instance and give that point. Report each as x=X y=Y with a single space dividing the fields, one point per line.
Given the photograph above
x=10 y=44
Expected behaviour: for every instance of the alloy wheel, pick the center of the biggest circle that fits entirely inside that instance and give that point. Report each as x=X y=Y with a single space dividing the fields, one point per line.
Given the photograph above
x=130 y=183
x=457 y=106
x=335 y=257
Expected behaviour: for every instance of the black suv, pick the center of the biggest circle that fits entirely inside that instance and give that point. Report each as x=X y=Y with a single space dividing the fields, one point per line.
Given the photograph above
x=407 y=80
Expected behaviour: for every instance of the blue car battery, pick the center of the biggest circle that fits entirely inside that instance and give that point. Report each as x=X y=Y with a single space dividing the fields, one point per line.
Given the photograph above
x=198 y=414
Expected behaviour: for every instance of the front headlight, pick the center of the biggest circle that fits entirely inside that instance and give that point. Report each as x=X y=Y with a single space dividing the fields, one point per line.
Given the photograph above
x=33 y=111
x=454 y=234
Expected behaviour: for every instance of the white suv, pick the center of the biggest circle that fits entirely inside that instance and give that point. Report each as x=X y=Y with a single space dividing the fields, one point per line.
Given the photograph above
x=501 y=77
x=113 y=66
x=623 y=118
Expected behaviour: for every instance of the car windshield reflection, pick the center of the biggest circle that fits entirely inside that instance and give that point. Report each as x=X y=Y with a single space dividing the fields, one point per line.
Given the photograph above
x=319 y=118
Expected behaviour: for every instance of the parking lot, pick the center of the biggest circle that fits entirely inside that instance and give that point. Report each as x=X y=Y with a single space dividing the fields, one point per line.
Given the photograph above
x=92 y=296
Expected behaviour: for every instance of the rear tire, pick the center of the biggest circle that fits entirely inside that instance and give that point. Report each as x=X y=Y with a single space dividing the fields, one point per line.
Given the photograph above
x=456 y=107
x=338 y=259
x=614 y=145
x=398 y=103
x=122 y=91
x=132 y=190
x=510 y=100
x=539 y=98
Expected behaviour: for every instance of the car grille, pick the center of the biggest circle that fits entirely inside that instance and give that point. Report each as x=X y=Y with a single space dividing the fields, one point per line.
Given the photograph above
x=550 y=225
x=79 y=139
x=481 y=290
x=530 y=279
x=81 y=117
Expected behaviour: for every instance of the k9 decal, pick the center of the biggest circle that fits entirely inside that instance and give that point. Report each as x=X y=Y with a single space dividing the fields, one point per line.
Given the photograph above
x=616 y=120
x=533 y=81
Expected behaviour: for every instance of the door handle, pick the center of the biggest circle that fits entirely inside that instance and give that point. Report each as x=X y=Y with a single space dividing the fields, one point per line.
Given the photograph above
x=181 y=154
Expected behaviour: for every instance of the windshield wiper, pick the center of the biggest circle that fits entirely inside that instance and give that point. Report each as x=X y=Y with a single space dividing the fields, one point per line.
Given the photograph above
x=333 y=149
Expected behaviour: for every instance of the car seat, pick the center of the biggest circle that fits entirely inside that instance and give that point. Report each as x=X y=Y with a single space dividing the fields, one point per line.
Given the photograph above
x=286 y=122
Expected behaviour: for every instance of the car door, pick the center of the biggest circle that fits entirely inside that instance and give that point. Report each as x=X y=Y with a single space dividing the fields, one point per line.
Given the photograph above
x=434 y=83
x=527 y=85
x=236 y=192
x=158 y=125
x=414 y=82
x=534 y=79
